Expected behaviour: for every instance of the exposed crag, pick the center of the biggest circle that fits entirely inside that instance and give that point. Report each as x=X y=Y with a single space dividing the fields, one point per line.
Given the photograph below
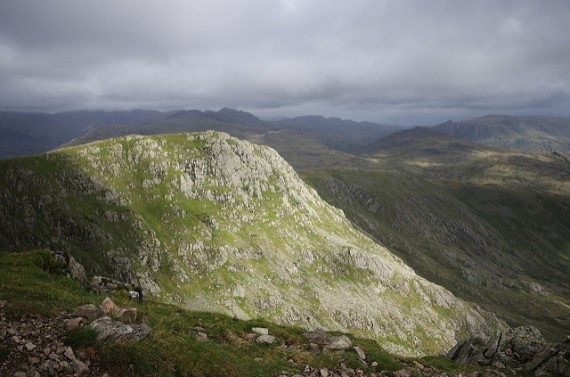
x=211 y=223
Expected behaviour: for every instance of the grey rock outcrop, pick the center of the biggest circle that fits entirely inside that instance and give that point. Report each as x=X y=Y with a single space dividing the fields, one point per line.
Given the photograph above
x=70 y=266
x=521 y=348
x=265 y=339
x=320 y=337
x=87 y=311
x=341 y=342
x=111 y=330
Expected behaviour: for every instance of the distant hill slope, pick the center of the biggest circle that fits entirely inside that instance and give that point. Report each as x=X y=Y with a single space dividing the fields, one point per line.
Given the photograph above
x=212 y=223
x=339 y=134
x=24 y=133
x=521 y=133
x=422 y=142
x=490 y=225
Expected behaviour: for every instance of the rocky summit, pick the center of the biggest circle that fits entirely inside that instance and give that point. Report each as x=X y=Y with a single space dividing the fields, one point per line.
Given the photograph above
x=208 y=222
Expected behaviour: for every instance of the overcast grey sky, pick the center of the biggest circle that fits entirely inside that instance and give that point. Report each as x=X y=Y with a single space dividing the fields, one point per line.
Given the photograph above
x=398 y=61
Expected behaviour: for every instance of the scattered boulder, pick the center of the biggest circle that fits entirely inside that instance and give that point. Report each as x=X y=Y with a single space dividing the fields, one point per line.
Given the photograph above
x=106 y=286
x=314 y=348
x=35 y=348
x=260 y=330
x=88 y=311
x=360 y=352
x=73 y=323
x=201 y=337
x=125 y=314
x=318 y=336
x=69 y=353
x=265 y=339
x=80 y=368
x=340 y=342
x=111 y=330
x=109 y=307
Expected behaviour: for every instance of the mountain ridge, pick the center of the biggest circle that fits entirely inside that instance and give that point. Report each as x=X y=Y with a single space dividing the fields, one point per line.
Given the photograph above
x=28 y=133
x=236 y=228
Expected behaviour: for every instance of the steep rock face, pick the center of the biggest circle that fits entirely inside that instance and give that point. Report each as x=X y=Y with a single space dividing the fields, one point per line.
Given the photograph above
x=212 y=223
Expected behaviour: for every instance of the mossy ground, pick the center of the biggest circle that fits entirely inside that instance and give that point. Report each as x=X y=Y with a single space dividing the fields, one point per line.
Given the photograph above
x=31 y=286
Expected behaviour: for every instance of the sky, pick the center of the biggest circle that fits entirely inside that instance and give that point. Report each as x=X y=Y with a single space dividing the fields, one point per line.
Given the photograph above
x=398 y=61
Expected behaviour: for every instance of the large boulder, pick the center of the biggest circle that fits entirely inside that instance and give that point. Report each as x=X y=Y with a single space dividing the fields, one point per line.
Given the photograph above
x=111 y=330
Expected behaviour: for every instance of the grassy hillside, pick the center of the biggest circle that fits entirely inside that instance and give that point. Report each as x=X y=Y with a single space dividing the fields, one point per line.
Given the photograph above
x=491 y=226
x=173 y=348
x=211 y=223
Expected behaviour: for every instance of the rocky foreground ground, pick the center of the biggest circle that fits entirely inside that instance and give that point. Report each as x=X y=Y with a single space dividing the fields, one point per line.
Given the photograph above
x=35 y=346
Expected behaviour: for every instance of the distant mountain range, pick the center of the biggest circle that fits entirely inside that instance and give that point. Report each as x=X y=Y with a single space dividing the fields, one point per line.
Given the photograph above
x=30 y=133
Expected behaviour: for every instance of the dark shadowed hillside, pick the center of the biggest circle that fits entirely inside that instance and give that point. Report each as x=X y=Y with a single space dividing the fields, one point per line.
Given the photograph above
x=339 y=134
x=491 y=226
x=422 y=142
x=522 y=133
x=29 y=133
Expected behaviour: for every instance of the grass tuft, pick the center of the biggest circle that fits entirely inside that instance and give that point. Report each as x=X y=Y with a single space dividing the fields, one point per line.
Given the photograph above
x=28 y=286
x=81 y=337
x=4 y=352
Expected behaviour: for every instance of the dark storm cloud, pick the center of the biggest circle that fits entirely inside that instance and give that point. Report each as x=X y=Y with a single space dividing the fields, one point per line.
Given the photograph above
x=365 y=58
